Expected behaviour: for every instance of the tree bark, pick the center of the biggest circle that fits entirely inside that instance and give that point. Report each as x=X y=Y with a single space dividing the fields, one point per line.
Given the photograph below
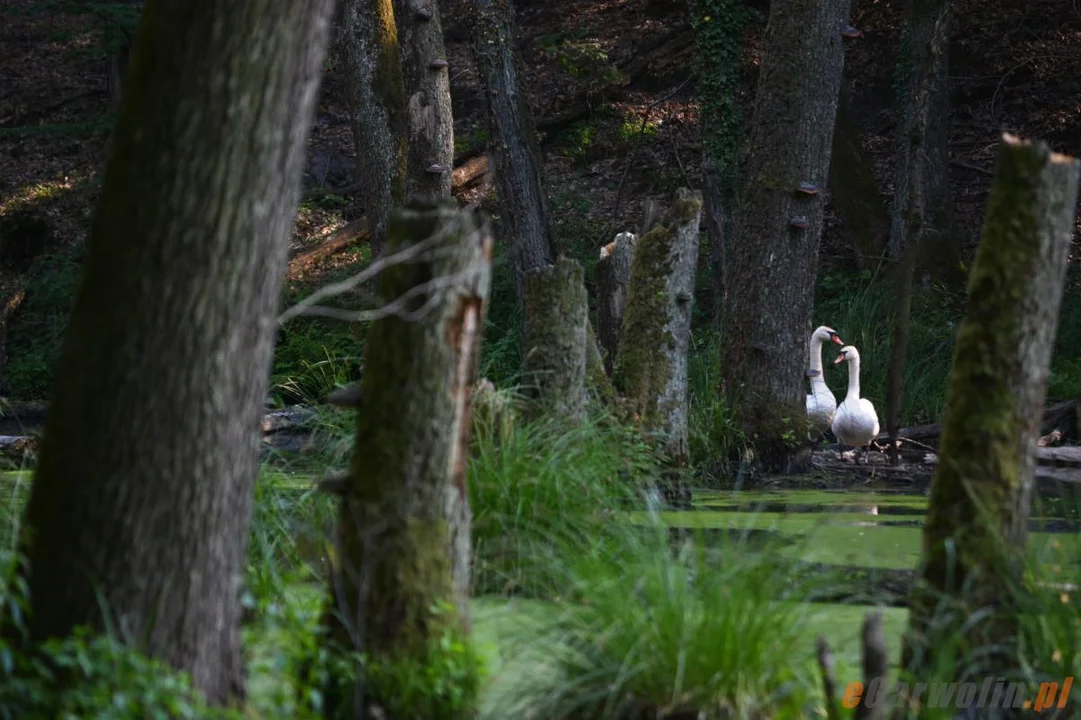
x=923 y=207
x=556 y=340
x=427 y=91
x=403 y=536
x=613 y=284
x=377 y=111
x=519 y=172
x=651 y=367
x=142 y=498
x=772 y=259
x=895 y=379
x=854 y=189
x=981 y=490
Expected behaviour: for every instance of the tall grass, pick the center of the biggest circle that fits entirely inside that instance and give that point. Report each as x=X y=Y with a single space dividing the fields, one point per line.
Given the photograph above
x=530 y=483
x=652 y=627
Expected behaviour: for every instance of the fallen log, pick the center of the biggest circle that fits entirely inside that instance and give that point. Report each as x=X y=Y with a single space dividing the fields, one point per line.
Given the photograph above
x=1051 y=417
x=333 y=243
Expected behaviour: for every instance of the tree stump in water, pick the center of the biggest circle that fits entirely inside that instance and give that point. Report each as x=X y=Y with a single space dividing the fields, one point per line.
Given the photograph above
x=613 y=284
x=403 y=539
x=555 y=348
x=974 y=538
x=651 y=365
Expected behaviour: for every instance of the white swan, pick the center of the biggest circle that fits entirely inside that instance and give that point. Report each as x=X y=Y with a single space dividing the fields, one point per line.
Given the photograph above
x=821 y=404
x=856 y=423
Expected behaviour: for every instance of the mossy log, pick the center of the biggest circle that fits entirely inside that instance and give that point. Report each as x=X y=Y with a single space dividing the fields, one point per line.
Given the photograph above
x=403 y=536
x=651 y=366
x=613 y=284
x=975 y=533
x=556 y=340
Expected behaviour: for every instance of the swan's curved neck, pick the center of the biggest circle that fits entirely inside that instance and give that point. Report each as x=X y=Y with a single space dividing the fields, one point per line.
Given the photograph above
x=816 y=355
x=853 y=379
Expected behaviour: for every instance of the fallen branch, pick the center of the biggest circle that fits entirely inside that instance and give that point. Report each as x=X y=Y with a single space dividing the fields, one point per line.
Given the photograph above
x=334 y=242
x=1051 y=417
x=468 y=168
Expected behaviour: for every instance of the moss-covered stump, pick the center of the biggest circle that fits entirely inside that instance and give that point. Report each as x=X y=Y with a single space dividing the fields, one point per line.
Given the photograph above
x=555 y=341
x=403 y=539
x=613 y=284
x=974 y=537
x=599 y=390
x=651 y=365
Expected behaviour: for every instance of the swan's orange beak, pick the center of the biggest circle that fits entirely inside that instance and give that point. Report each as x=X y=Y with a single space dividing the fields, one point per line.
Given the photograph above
x=837 y=339
x=840 y=358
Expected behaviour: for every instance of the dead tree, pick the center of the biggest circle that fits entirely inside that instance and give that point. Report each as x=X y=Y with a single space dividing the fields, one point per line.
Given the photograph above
x=613 y=284
x=555 y=347
x=142 y=498
x=772 y=259
x=975 y=533
x=377 y=111
x=403 y=535
x=519 y=173
x=651 y=366
x=430 y=154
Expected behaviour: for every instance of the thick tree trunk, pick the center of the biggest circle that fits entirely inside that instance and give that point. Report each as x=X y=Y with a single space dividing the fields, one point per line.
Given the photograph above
x=651 y=367
x=599 y=390
x=895 y=379
x=427 y=91
x=773 y=257
x=613 y=284
x=403 y=537
x=981 y=490
x=378 y=111
x=854 y=190
x=519 y=173
x=555 y=343
x=142 y=498
x=715 y=216
x=922 y=207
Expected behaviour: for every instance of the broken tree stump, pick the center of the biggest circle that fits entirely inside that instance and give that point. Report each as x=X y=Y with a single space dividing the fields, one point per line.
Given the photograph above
x=977 y=514
x=400 y=567
x=555 y=340
x=613 y=284
x=651 y=365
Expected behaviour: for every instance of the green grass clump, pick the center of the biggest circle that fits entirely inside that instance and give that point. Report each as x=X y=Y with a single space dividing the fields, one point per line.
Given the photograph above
x=532 y=482
x=651 y=627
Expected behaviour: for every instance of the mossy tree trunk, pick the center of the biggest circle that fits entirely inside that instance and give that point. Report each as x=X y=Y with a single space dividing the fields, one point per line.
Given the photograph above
x=142 y=498
x=917 y=190
x=403 y=536
x=981 y=490
x=430 y=153
x=555 y=343
x=923 y=206
x=651 y=367
x=772 y=258
x=377 y=110
x=519 y=173
x=613 y=284
x=854 y=191
x=718 y=26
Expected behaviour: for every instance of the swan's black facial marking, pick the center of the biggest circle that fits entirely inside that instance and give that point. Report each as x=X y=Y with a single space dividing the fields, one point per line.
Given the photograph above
x=834 y=337
x=842 y=357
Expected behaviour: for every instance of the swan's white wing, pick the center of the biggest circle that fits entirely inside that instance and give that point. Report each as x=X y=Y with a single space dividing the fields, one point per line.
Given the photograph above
x=869 y=410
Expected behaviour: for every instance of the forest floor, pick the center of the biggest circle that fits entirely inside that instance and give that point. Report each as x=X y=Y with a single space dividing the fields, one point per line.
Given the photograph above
x=597 y=73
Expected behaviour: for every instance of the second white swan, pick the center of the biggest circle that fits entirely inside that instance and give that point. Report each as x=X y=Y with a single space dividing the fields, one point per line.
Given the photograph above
x=856 y=423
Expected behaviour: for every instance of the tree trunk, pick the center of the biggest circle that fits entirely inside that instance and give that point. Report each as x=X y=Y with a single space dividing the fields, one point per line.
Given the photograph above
x=922 y=206
x=403 y=538
x=773 y=258
x=519 y=173
x=613 y=283
x=854 y=190
x=981 y=490
x=718 y=26
x=378 y=111
x=142 y=498
x=555 y=343
x=427 y=90
x=895 y=379
x=651 y=367
x=599 y=390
